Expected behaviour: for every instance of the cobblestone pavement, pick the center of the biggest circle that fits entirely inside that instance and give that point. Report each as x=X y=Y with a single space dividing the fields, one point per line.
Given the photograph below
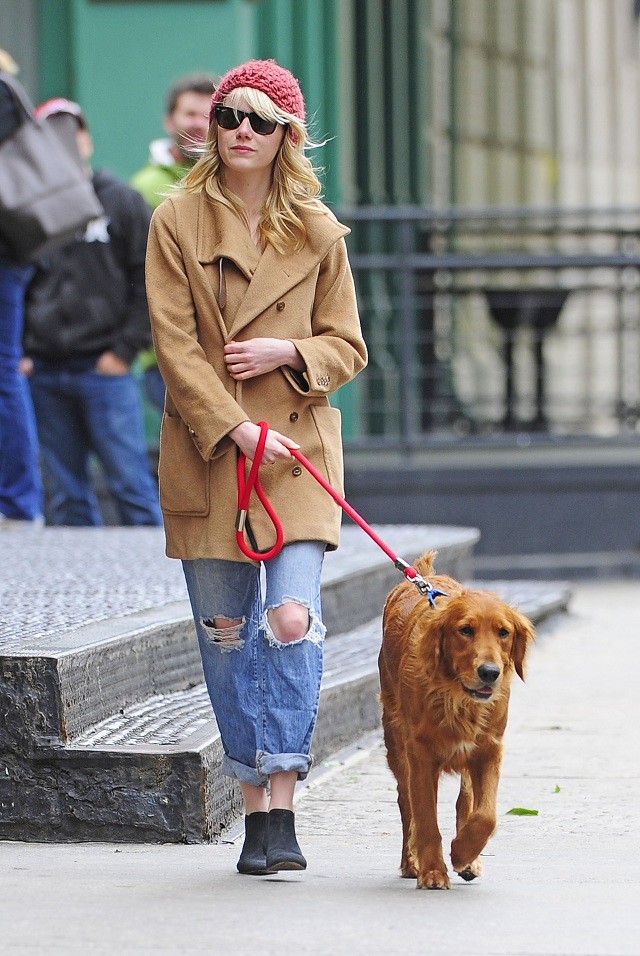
x=563 y=882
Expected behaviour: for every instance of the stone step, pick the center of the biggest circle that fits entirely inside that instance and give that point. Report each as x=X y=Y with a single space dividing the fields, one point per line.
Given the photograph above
x=97 y=639
x=165 y=720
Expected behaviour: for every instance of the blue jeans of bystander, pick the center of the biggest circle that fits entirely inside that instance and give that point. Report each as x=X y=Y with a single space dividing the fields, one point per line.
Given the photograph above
x=154 y=387
x=20 y=484
x=80 y=412
x=264 y=692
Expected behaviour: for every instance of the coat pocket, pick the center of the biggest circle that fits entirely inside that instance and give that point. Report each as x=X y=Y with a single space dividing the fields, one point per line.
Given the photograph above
x=328 y=421
x=183 y=475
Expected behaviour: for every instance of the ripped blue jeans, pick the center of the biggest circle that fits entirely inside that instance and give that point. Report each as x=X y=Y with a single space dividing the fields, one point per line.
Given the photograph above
x=264 y=692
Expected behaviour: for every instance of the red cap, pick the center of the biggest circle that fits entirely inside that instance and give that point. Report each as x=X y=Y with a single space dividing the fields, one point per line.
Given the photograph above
x=57 y=105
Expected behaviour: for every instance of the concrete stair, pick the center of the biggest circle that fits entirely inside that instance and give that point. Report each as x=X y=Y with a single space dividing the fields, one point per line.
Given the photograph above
x=106 y=731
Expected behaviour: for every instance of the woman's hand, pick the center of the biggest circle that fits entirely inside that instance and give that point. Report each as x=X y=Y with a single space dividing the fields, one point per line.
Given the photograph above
x=246 y=437
x=257 y=356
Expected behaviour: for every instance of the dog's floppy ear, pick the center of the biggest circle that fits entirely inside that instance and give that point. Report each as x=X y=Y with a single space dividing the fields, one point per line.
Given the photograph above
x=443 y=619
x=523 y=635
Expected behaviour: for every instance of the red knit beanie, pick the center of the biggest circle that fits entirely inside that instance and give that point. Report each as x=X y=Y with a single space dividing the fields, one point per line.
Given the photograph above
x=278 y=83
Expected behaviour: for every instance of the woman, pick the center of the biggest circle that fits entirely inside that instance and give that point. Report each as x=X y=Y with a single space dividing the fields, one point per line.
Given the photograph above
x=254 y=318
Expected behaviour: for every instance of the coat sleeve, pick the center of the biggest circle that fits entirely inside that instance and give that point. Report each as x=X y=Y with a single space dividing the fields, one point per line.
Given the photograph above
x=336 y=351
x=196 y=390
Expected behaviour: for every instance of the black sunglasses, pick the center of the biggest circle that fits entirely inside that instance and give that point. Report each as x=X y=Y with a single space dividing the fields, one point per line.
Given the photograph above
x=229 y=118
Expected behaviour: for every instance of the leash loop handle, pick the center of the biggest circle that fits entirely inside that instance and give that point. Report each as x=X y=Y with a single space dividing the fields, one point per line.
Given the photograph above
x=247 y=484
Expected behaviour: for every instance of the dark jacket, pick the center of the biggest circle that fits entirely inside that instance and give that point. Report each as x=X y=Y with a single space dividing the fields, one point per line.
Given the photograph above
x=9 y=115
x=9 y=122
x=89 y=297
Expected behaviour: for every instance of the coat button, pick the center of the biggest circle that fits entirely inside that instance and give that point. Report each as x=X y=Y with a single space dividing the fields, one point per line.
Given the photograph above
x=280 y=306
x=296 y=471
x=293 y=417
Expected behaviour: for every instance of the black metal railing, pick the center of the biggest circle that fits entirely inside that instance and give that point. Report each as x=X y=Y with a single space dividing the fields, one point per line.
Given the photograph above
x=490 y=321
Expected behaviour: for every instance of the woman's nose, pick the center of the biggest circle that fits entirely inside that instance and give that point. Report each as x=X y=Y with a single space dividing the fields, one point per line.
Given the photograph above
x=245 y=127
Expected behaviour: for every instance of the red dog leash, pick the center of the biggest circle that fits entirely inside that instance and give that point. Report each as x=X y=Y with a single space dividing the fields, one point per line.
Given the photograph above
x=247 y=483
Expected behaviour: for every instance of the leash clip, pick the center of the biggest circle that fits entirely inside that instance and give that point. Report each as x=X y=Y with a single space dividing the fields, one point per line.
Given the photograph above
x=426 y=589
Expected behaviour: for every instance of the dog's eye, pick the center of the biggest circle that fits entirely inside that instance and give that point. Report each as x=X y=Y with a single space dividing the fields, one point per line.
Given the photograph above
x=503 y=632
x=467 y=630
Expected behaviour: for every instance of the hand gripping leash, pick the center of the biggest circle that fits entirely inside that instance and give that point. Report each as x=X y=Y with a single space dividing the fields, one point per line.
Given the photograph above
x=247 y=483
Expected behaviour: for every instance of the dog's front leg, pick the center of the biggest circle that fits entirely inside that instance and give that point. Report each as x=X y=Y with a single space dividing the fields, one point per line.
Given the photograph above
x=464 y=809
x=426 y=841
x=472 y=837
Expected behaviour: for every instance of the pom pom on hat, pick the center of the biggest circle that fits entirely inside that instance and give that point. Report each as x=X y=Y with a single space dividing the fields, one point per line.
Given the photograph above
x=277 y=82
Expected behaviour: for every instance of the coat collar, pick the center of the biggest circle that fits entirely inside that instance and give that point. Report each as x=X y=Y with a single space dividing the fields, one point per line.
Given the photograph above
x=270 y=275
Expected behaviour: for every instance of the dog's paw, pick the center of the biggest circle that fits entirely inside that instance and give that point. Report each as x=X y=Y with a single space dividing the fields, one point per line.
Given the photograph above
x=472 y=871
x=433 y=880
x=408 y=869
x=471 y=841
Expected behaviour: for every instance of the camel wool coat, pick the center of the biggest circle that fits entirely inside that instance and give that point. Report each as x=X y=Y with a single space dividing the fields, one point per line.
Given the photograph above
x=207 y=285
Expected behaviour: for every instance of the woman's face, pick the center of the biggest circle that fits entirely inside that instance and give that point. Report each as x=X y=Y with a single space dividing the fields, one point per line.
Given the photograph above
x=244 y=151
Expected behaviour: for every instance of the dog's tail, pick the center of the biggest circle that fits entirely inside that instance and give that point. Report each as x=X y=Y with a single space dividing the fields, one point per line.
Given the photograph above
x=424 y=564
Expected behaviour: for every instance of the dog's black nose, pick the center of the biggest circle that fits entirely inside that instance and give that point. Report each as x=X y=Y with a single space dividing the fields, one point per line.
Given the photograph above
x=489 y=673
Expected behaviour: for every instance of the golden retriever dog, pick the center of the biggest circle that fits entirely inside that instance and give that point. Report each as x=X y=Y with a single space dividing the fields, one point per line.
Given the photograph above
x=445 y=673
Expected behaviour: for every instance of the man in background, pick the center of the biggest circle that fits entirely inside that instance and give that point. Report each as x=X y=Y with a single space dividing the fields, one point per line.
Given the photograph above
x=186 y=121
x=86 y=319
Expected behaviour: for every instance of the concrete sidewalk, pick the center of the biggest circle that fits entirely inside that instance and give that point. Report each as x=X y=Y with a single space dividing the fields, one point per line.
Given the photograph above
x=563 y=882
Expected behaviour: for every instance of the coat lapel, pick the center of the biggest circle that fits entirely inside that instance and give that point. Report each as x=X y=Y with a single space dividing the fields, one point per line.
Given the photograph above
x=277 y=274
x=270 y=275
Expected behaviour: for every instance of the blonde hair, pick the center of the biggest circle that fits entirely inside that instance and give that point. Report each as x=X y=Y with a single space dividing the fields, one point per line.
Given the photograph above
x=295 y=184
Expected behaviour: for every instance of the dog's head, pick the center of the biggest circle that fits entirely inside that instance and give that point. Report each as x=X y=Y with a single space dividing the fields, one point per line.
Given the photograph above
x=480 y=639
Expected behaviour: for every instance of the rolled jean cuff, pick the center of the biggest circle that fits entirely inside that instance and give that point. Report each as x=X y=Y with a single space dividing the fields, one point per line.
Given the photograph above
x=233 y=768
x=279 y=763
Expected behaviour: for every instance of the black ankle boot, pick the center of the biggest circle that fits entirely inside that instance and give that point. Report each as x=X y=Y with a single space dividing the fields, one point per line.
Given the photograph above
x=282 y=850
x=252 y=858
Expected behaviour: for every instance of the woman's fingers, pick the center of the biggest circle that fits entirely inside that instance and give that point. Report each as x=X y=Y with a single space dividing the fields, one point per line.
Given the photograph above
x=278 y=446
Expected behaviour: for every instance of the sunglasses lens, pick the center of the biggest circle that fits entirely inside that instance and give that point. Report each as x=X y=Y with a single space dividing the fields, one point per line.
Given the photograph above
x=261 y=125
x=228 y=118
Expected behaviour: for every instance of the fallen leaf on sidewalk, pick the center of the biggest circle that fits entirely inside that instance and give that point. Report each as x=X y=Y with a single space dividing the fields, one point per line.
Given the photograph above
x=522 y=812
x=557 y=789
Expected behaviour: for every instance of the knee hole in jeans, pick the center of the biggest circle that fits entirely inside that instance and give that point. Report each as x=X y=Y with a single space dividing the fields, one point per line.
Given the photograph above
x=291 y=622
x=224 y=632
